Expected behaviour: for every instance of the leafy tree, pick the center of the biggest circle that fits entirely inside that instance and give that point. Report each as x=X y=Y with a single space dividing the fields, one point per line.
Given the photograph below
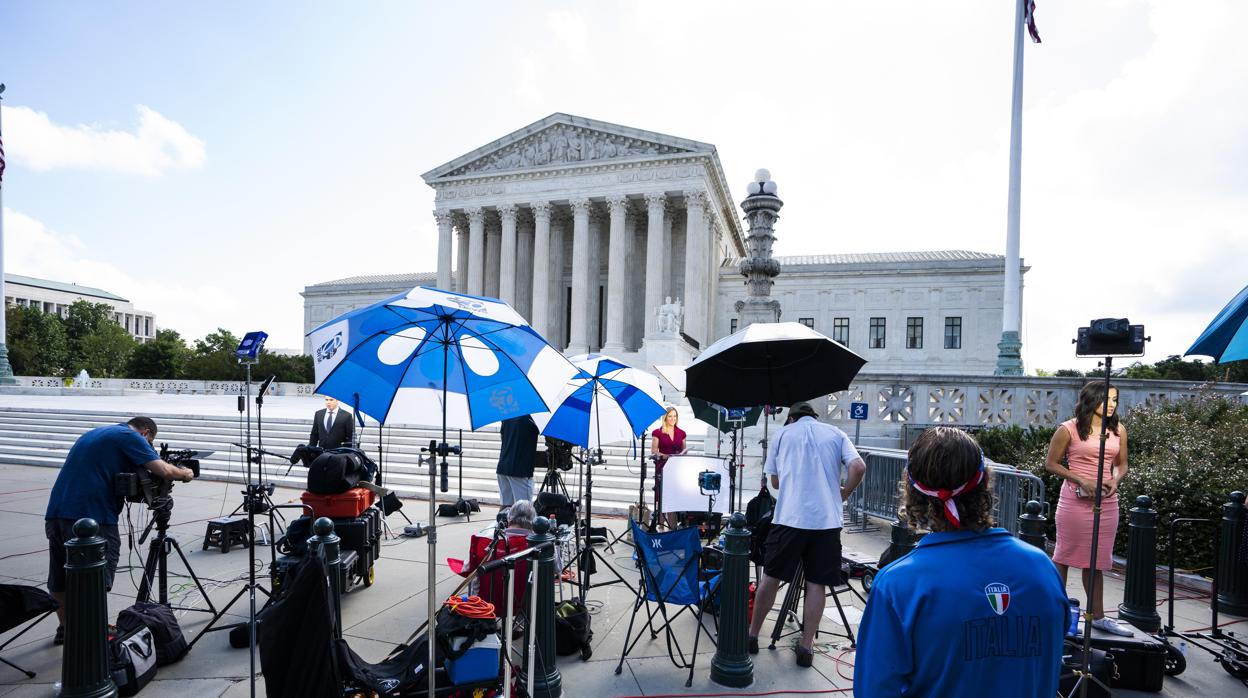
x=105 y=352
x=288 y=369
x=36 y=342
x=165 y=356
x=1068 y=373
x=212 y=358
x=84 y=320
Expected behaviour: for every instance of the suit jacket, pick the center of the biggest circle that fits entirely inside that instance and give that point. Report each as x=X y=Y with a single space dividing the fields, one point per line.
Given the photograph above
x=337 y=435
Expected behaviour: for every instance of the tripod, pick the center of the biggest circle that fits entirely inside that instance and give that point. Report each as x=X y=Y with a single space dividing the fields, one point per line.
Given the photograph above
x=793 y=595
x=1084 y=673
x=156 y=564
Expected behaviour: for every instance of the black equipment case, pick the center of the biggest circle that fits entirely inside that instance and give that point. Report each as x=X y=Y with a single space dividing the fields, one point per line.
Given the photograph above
x=1140 y=659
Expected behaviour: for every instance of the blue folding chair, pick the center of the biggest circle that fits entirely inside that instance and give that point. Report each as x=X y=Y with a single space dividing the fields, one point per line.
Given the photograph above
x=671 y=573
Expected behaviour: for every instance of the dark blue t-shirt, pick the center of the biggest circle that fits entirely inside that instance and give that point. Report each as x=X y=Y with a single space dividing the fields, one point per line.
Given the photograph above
x=84 y=487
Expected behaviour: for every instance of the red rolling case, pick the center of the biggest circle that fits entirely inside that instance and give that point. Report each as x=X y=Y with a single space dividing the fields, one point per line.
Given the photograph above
x=347 y=505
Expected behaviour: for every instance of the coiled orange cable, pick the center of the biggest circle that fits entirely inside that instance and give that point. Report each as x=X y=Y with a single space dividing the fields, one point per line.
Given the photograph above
x=470 y=606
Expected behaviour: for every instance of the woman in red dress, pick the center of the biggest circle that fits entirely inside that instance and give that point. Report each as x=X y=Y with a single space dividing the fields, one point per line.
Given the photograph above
x=668 y=440
x=1078 y=441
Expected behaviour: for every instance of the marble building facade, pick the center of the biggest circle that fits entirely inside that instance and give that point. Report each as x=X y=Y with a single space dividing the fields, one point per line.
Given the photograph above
x=601 y=234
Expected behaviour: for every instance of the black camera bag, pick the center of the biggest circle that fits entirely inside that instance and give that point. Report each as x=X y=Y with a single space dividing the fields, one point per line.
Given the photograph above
x=170 y=644
x=338 y=470
x=549 y=504
x=572 y=630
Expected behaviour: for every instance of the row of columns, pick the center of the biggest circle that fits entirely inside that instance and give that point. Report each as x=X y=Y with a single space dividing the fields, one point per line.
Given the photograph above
x=496 y=264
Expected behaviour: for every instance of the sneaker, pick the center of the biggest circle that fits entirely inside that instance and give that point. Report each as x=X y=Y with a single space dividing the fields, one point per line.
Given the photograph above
x=804 y=657
x=753 y=645
x=1112 y=626
x=59 y=638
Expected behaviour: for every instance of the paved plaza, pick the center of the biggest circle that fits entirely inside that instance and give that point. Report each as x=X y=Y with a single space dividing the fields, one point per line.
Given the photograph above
x=379 y=617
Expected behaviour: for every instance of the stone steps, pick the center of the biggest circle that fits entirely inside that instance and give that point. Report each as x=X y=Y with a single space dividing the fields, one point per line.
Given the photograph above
x=43 y=437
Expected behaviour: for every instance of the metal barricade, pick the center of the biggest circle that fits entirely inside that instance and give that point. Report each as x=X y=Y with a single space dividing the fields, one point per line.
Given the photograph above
x=879 y=494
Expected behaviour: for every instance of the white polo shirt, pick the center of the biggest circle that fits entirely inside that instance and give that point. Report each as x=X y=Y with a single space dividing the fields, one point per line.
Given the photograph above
x=809 y=457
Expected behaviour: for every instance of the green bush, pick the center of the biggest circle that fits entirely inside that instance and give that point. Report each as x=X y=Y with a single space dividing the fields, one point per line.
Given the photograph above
x=1188 y=456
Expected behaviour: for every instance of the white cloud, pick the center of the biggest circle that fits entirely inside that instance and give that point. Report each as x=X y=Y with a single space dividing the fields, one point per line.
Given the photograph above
x=32 y=249
x=156 y=145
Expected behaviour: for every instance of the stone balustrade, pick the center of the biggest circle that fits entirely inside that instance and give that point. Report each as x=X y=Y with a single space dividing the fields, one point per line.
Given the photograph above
x=177 y=386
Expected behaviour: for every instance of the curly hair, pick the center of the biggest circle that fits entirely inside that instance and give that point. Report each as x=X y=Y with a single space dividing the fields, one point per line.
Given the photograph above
x=945 y=458
x=1092 y=396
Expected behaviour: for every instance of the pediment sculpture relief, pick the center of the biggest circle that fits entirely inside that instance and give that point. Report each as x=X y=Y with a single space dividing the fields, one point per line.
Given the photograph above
x=560 y=145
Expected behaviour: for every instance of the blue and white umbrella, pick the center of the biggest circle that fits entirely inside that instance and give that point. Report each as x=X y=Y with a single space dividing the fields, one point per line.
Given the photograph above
x=1226 y=338
x=607 y=402
x=438 y=358
x=427 y=355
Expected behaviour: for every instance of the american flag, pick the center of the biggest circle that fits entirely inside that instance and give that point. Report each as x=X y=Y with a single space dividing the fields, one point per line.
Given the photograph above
x=1029 y=17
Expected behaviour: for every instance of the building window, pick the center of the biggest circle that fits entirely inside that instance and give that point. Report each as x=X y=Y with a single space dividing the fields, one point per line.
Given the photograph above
x=840 y=330
x=953 y=333
x=732 y=326
x=807 y=321
x=914 y=333
x=877 y=333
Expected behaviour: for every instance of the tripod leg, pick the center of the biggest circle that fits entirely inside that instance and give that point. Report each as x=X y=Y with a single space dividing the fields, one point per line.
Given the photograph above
x=149 y=571
x=788 y=607
x=195 y=578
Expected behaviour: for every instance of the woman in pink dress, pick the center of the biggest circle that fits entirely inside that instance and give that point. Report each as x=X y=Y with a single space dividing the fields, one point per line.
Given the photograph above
x=1078 y=442
x=668 y=440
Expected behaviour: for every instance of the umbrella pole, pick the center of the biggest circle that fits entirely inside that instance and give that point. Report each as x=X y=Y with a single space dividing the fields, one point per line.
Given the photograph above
x=766 y=423
x=430 y=667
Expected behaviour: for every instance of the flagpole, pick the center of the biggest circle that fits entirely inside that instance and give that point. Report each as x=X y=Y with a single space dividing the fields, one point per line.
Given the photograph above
x=1009 y=350
x=6 y=370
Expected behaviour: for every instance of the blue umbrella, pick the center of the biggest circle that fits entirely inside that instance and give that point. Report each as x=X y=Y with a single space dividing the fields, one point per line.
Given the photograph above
x=433 y=357
x=1226 y=338
x=606 y=402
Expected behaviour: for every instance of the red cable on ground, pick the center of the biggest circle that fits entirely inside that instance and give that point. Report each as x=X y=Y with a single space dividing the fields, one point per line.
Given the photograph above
x=470 y=606
x=744 y=695
x=1220 y=625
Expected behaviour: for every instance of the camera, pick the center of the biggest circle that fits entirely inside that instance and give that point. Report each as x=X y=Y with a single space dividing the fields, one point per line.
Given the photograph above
x=709 y=481
x=141 y=487
x=558 y=454
x=1110 y=337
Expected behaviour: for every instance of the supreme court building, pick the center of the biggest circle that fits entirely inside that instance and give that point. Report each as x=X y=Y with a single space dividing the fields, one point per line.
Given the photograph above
x=626 y=242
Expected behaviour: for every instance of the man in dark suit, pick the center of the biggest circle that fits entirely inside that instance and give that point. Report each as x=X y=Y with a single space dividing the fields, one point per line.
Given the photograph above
x=332 y=427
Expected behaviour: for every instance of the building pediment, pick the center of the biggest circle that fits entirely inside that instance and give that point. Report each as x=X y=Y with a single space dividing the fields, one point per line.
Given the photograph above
x=562 y=140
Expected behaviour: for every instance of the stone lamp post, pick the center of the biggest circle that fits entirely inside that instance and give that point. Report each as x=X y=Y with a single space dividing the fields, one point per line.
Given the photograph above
x=762 y=208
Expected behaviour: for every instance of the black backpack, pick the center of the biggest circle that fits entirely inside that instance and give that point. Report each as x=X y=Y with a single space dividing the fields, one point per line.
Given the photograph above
x=170 y=644
x=338 y=470
x=554 y=504
x=758 y=514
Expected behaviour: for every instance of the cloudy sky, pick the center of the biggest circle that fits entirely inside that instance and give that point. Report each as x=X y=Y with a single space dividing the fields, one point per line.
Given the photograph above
x=210 y=160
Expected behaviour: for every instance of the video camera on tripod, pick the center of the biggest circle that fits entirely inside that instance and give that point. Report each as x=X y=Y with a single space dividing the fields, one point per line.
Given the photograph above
x=558 y=454
x=141 y=487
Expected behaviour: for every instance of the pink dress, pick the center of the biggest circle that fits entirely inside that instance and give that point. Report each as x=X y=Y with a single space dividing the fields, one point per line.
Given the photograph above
x=1074 y=515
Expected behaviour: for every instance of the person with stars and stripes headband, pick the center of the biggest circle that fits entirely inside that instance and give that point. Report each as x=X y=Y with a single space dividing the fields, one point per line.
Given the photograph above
x=971 y=611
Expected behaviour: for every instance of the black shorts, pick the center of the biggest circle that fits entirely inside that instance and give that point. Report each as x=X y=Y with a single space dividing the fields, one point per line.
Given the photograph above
x=60 y=530
x=819 y=552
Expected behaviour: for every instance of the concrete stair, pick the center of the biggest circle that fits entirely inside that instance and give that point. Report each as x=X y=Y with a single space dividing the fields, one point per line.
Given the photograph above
x=43 y=437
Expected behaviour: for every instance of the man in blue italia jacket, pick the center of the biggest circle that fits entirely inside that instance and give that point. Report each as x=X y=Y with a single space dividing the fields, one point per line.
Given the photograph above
x=972 y=611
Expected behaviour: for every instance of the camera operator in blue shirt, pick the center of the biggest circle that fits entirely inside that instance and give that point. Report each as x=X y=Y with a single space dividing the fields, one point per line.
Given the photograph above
x=84 y=489
x=971 y=611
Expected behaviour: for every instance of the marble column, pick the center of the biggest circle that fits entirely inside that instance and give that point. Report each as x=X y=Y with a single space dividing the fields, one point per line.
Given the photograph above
x=507 y=255
x=461 y=261
x=594 y=310
x=524 y=265
x=476 y=251
x=695 y=266
x=617 y=253
x=540 y=316
x=579 y=331
x=557 y=316
x=445 y=242
x=654 y=258
x=493 y=241
x=669 y=283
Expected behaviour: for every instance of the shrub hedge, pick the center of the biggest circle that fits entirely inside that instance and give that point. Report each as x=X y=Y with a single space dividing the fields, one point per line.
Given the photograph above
x=1188 y=456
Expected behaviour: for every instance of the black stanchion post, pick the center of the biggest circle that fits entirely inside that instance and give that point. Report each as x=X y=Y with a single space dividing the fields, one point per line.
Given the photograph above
x=328 y=542
x=84 y=664
x=1032 y=523
x=1139 y=600
x=731 y=665
x=902 y=540
x=547 y=682
x=1231 y=574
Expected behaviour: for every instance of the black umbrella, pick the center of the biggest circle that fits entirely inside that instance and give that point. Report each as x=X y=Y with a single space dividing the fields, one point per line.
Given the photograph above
x=771 y=364
x=718 y=417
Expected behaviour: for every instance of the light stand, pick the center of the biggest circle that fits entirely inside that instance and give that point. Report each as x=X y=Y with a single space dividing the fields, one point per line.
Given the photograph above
x=1084 y=673
x=594 y=457
x=248 y=354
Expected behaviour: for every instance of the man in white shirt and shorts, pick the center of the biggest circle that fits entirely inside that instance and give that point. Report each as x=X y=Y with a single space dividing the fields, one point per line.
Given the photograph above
x=805 y=463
